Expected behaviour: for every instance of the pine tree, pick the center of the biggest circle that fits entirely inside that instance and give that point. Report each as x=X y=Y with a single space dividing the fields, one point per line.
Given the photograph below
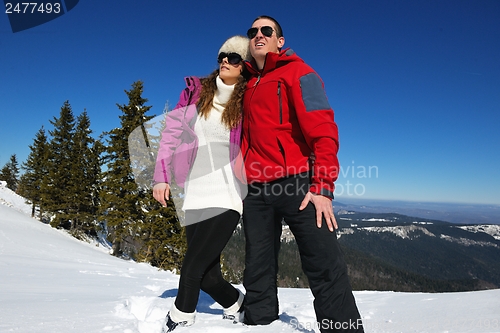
x=85 y=171
x=137 y=225
x=163 y=241
x=35 y=170
x=120 y=194
x=10 y=173
x=56 y=187
x=6 y=174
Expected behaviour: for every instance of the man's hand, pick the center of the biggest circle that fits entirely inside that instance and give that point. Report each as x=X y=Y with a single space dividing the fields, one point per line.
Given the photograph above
x=161 y=192
x=323 y=207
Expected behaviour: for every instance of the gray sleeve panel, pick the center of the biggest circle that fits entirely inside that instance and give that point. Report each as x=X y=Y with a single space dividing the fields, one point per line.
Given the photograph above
x=313 y=94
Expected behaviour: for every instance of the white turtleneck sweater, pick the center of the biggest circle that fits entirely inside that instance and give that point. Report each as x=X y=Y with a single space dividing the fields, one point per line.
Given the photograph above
x=211 y=182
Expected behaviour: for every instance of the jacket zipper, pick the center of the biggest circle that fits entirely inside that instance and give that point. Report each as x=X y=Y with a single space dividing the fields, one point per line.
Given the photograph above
x=280 y=103
x=257 y=82
x=282 y=150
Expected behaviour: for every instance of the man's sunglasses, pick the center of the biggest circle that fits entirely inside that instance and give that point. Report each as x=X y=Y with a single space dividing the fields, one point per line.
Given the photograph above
x=232 y=58
x=266 y=31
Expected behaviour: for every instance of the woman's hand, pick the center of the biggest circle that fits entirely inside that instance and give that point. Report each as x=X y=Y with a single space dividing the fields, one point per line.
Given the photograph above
x=161 y=192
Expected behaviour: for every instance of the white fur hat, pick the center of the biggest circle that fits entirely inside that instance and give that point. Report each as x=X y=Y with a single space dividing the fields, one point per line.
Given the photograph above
x=237 y=44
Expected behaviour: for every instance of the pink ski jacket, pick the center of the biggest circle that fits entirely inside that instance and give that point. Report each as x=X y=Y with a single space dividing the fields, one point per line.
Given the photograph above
x=179 y=143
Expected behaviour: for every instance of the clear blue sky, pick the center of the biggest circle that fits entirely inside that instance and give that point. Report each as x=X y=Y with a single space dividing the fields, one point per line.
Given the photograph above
x=415 y=85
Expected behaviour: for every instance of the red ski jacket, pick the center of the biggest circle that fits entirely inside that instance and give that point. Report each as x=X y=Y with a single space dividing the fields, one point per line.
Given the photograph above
x=288 y=124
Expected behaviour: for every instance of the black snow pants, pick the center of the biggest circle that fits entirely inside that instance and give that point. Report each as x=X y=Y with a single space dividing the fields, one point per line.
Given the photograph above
x=265 y=206
x=201 y=266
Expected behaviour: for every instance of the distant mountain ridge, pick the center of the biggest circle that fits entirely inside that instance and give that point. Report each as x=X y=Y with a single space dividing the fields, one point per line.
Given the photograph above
x=389 y=251
x=449 y=212
x=434 y=249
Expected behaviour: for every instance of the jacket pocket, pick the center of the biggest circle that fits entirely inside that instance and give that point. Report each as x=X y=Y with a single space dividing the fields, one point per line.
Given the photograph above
x=281 y=142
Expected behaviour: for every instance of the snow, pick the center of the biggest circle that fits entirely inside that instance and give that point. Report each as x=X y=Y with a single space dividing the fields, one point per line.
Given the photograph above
x=51 y=282
x=491 y=229
x=402 y=231
x=466 y=241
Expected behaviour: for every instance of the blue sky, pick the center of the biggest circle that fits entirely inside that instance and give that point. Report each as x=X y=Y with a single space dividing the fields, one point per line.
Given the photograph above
x=415 y=85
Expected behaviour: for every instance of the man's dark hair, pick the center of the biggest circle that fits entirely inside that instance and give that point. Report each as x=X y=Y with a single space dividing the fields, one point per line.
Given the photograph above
x=279 y=31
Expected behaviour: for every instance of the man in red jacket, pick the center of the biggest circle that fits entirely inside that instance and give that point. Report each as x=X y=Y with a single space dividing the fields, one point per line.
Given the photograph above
x=289 y=148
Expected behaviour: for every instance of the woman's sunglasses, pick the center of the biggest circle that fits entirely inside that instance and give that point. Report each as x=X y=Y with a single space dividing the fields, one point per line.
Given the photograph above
x=232 y=58
x=266 y=31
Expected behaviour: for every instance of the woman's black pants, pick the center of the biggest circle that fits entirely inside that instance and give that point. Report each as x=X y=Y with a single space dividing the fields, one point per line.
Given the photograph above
x=206 y=238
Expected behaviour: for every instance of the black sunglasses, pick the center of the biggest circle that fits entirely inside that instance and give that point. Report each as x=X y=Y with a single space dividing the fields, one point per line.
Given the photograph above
x=266 y=31
x=232 y=58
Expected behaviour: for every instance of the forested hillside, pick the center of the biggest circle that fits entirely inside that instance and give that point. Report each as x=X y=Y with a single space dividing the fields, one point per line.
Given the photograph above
x=382 y=260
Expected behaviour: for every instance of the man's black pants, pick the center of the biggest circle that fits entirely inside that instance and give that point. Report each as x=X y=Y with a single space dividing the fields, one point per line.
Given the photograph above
x=322 y=260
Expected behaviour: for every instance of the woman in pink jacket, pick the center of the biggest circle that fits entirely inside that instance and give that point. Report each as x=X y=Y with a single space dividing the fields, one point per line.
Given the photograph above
x=198 y=145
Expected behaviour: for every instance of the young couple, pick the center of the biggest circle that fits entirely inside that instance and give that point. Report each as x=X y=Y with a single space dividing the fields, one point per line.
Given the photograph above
x=261 y=119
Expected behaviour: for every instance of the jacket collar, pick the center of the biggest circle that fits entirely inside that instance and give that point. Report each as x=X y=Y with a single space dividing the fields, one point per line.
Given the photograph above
x=272 y=61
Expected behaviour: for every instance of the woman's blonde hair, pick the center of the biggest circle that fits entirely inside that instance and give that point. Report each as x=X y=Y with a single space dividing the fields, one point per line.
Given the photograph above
x=231 y=116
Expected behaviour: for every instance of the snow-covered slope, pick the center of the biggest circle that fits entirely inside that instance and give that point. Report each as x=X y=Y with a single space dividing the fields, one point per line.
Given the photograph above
x=51 y=282
x=11 y=199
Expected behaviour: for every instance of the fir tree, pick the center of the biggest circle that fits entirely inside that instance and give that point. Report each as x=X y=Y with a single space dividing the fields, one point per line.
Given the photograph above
x=35 y=170
x=120 y=194
x=137 y=225
x=163 y=241
x=10 y=173
x=14 y=167
x=6 y=175
x=85 y=171
x=56 y=187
